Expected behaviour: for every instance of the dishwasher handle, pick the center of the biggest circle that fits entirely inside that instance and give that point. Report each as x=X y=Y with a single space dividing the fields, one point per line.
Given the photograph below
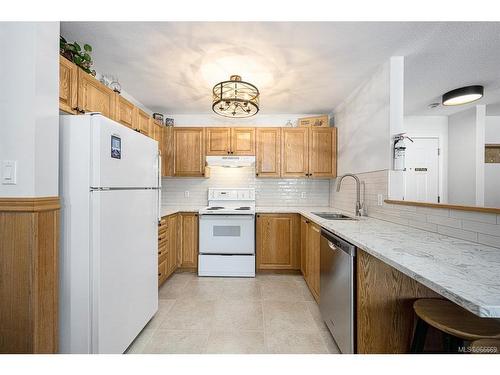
x=337 y=243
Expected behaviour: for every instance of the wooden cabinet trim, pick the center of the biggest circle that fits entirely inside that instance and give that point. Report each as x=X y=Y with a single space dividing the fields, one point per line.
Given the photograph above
x=218 y=141
x=268 y=152
x=244 y=150
x=289 y=153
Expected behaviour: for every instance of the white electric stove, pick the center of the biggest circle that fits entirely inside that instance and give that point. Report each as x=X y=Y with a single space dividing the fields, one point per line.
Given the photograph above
x=227 y=234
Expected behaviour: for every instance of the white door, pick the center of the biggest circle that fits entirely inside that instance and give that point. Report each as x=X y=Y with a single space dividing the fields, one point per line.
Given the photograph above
x=422 y=170
x=122 y=157
x=124 y=266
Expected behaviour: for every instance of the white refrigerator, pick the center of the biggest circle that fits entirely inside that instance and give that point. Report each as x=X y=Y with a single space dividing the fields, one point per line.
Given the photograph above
x=110 y=193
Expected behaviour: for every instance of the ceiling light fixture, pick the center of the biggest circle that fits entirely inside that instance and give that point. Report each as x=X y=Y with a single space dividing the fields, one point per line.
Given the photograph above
x=235 y=98
x=463 y=95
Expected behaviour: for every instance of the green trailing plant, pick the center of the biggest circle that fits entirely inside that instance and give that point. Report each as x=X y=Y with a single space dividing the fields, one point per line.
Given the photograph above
x=80 y=56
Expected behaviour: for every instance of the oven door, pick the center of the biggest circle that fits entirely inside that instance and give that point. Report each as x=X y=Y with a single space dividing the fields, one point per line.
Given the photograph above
x=227 y=234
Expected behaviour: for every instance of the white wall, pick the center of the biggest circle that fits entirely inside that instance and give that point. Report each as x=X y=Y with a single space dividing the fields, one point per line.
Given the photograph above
x=367 y=118
x=466 y=157
x=29 y=95
x=432 y=126
x=492 y=170
x=255 y=121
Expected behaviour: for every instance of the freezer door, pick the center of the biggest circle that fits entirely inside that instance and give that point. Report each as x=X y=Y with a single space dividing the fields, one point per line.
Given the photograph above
x=124 y=265
x=121 y=157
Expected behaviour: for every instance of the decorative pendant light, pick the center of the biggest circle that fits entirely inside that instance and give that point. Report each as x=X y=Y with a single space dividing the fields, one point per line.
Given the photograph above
x=463 y=95
x=235 y=98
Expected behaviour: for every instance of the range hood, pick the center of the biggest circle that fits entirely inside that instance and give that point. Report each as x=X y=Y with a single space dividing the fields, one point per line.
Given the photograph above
x=230 y=161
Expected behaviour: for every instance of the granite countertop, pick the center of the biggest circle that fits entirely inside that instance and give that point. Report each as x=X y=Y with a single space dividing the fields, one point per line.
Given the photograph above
x=462 y=271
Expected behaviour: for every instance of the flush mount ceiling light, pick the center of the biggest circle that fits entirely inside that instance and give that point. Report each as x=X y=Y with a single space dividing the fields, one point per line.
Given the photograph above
x=463 y=95
x=235 y=98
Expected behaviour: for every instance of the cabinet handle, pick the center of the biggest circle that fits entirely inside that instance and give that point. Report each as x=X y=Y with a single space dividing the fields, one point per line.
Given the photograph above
x=228 y=152
x=159 y=274
x=159 y=252
x=256 y=174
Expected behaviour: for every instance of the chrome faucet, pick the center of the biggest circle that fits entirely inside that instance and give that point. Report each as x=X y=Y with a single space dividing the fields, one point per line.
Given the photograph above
x=359 y=209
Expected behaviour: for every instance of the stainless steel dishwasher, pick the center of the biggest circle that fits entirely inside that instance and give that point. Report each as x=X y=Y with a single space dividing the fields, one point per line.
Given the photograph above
x=338 y=286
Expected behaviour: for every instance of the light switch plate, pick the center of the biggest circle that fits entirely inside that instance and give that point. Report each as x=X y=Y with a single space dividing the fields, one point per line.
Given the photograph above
x=186 y=194
x=303 y=194
x=380 y=199
x=9 y=172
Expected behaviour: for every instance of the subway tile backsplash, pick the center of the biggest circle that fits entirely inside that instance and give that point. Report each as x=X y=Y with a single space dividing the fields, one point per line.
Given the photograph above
x=477 y=227
x=269 y=192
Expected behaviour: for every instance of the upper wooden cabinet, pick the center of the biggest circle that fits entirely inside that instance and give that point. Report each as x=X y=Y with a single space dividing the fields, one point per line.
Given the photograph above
x=277 y=240
x=68 y=86
x=93 y=96
x=268 y=152
x=218 y=141
x=243 y=141
x=309 y=152
x=323 y=152
x=294 y=152
x=125 y=112
x=189 y=152
x=230 y=141
x=142 y=122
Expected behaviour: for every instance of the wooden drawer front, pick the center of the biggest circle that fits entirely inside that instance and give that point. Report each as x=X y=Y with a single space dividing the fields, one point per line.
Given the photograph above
x=162 y=253
x=162 y=236
x=162 y=272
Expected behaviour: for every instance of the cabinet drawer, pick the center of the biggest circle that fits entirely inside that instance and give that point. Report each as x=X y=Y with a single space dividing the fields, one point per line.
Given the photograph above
x=162 y=236
x=162 y=254
x=162 y=271
x=163 y=222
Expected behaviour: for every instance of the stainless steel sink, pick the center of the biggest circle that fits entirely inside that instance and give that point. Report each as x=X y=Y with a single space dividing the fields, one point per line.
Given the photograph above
x=332 y=216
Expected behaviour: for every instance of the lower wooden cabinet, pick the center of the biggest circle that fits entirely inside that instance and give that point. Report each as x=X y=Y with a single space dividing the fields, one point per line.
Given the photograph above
x=278 y=243
x=312 y=259
x=188 y=257
x=167 y=247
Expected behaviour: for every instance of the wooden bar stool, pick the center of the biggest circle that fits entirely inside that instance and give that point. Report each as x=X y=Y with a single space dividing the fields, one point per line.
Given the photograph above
x=457 y=324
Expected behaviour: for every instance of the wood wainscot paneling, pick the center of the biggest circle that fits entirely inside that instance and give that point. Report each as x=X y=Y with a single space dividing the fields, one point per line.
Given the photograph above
x=29 y=244
x=385 y=296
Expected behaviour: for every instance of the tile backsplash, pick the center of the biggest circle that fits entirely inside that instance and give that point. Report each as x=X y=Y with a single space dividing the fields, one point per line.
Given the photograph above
x=269 y=192
x=477 y=227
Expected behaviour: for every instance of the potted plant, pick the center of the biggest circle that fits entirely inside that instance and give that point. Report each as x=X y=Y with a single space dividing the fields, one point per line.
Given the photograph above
x=73 y=52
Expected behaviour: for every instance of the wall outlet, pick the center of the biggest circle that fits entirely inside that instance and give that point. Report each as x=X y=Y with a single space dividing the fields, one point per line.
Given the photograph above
x=380 y=200
x=186 y=194
x=303 y=194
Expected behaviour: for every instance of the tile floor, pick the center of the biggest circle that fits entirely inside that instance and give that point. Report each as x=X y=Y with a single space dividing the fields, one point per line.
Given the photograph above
x=268 y=314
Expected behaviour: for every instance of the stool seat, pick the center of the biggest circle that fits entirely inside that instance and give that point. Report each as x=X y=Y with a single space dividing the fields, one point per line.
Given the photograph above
x=455 y=320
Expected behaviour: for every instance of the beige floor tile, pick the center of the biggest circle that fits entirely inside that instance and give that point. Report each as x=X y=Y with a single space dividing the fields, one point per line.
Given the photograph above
x=280 y=315
x=177 y=341
x=164 y=306
x=330 y=344
x=236 y=342
x=208 y=289
x=175 y=285
x=140 y=341
x=281 y=291
x=241 y=289
x=189 y=314
x=279 y=277
x=294 y=342
x=238 y=315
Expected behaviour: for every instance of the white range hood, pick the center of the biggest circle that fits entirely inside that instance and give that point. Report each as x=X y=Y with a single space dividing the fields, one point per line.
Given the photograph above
x=230 y=161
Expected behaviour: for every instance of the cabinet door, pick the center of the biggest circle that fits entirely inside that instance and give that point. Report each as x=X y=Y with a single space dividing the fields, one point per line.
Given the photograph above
x=189 y=153
x=313 y=260
x=242 y=141
x=172 y=243
x=125 y=113
x=189 y=252
x=93 y=96
x=142 y=121
x=167 y=155
x=323 y=152
x=218 y=141
x=68 y=86
x=294 y=152
x=268 y=155
x=277 y=242
x=303 y=245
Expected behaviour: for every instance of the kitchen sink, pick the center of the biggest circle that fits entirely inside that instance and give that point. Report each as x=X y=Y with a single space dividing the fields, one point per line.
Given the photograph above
x=332 y=216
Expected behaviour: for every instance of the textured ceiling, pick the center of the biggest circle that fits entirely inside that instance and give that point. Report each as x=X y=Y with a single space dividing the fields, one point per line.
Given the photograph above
x=171 y=67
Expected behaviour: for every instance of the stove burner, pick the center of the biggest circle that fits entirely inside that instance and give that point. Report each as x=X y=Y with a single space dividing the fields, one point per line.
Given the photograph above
x=214 y=208
x=242 y=209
